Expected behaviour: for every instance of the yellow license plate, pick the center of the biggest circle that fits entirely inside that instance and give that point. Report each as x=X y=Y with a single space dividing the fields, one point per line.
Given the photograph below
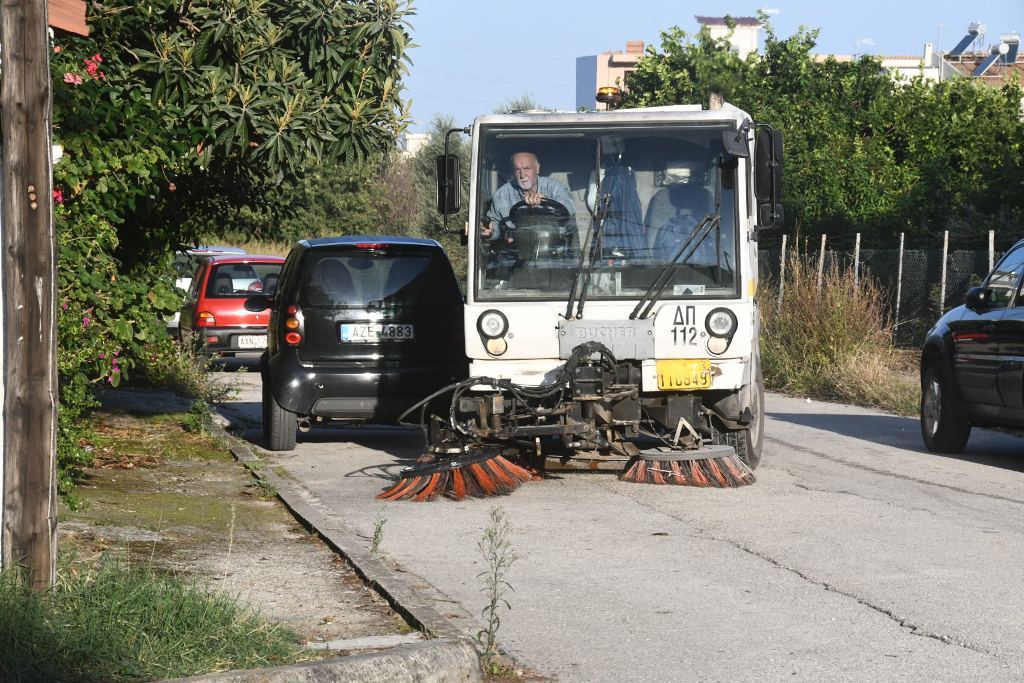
x=684 y=374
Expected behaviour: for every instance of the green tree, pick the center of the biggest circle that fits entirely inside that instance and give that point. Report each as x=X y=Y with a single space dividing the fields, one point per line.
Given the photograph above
x=182 y=120
x=864 y=152
x=247 y=91
x=524 y=102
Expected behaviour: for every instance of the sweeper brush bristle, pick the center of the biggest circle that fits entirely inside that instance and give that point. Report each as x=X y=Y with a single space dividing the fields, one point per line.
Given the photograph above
x=725 y=471
x=474 y=476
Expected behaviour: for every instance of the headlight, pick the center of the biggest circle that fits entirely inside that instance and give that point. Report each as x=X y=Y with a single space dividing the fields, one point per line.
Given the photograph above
x=492 y=324
x=721 y=322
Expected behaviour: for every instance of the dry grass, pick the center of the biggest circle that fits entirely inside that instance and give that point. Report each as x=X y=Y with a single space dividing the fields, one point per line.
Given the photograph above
x=834 y=341
x=266 y=247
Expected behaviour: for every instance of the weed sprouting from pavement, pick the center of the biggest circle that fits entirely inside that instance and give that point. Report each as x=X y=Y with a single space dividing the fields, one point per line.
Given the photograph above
x=378 y=528
x=495 y=545
x=199 y=417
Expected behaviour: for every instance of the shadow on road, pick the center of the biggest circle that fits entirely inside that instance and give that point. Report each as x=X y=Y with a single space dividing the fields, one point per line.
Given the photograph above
x=242 y=362
x=986 y=447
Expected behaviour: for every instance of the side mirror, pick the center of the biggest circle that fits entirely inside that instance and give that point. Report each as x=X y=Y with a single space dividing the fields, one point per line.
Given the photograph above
x=976 y=298
x=768 y=177
x=449 y=186
x=258 y=303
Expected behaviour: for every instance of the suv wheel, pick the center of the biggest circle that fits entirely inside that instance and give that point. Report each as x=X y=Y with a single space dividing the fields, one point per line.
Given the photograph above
x=279 y=424
x=943 y=427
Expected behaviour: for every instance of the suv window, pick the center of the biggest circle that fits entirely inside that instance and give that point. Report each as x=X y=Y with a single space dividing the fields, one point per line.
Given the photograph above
x=1002 y=283
x=242 y=279
x=361 y=279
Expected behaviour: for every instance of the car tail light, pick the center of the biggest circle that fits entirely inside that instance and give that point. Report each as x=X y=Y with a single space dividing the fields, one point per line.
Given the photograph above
x=205 y=319
x=212 y=339
x=293 y=325
x=372 y=245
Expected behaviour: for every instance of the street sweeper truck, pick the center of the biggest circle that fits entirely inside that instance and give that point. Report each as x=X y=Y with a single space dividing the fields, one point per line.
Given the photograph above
x=611 y=316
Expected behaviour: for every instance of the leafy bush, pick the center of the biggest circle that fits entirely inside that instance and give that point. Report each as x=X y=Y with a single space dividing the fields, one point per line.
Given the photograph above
x=175 y=364
x=832 y=342
x=106 y=622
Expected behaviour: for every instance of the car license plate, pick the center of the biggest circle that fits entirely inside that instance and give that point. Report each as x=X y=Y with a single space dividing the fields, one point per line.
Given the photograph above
x=369 y=333
x=684 y=374
x=251 y=341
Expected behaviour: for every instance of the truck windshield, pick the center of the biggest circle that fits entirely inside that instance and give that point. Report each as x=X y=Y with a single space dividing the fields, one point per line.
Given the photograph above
x=652 y=184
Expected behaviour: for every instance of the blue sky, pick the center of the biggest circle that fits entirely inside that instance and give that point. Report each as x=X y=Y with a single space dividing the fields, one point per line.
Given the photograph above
x=474 y=56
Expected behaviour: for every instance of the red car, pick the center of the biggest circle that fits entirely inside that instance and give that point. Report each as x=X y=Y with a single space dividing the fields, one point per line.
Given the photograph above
x=215 y=305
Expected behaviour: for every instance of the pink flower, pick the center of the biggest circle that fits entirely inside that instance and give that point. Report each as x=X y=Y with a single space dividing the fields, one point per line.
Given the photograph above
x=92 y=67
x=102 y=356
x=86 y=320
x=73 y=78
x=58 y=195
x=56 y=49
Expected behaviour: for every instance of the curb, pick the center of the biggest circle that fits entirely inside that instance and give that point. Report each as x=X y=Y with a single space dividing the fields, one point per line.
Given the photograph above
x=448 y=661
x=450 y=656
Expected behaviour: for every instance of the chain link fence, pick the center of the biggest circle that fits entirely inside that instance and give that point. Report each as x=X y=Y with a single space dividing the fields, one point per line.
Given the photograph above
x=917 y=293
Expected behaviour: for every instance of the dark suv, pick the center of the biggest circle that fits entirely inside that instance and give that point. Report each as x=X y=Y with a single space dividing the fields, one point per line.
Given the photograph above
x=972 y=365
x=361 y=329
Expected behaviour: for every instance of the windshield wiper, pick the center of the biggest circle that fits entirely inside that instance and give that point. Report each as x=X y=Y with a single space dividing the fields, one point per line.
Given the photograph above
x=604 y=203
x=690 y=246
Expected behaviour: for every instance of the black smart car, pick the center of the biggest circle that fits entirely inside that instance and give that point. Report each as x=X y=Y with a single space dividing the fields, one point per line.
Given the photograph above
x=972 y=364
x=361 y=329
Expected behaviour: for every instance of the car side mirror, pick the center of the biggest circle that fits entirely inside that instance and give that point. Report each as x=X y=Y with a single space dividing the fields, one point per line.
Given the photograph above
x=258 y=303
x=976 y=298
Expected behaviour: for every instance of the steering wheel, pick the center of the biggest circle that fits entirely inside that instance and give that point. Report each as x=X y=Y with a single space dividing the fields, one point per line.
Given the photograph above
x=548 y=208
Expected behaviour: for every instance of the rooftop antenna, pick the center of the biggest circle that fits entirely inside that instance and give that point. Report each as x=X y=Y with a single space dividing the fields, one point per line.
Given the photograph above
x=861 y=41
x=973 y=31
x=938 y=35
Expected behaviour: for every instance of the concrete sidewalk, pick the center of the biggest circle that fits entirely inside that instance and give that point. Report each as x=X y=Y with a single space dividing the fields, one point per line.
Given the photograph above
x=447 y=656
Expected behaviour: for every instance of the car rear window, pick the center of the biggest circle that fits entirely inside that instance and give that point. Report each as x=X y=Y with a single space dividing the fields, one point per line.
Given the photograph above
x=361 y=279
x=242 y=279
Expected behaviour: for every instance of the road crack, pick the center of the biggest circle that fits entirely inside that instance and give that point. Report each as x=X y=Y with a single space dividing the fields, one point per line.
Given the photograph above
x=894 y=475
x=854 y=494
x=902 y=622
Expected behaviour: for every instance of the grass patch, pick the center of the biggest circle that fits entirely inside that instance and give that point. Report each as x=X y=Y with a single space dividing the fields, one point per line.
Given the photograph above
x=136 y=441
x=834 y=341
x=107 y=622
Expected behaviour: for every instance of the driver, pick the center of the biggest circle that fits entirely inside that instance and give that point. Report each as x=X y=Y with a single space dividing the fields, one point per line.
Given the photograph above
x=527 y=186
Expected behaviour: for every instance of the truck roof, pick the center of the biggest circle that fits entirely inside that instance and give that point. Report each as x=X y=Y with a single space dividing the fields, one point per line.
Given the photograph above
x=672 y=113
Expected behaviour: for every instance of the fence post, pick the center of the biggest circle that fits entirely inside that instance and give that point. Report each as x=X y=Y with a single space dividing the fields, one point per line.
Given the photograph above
x=991 y=249
x=899 y=291
x=945 y=251
x=782 y=273
x=856 y=262
x=821 y=262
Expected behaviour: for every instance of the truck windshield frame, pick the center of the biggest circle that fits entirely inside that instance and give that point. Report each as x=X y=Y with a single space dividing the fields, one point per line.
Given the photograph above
x=660 y=181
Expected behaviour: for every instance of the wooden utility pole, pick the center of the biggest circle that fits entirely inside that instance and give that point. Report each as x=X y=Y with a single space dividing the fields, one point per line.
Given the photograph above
x=29 y=371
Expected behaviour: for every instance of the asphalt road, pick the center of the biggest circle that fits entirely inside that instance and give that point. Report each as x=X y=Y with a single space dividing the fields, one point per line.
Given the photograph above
x=855 y=556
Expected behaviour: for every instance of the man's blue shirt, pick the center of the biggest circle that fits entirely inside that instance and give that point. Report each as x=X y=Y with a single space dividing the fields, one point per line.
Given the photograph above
x=509 y=194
